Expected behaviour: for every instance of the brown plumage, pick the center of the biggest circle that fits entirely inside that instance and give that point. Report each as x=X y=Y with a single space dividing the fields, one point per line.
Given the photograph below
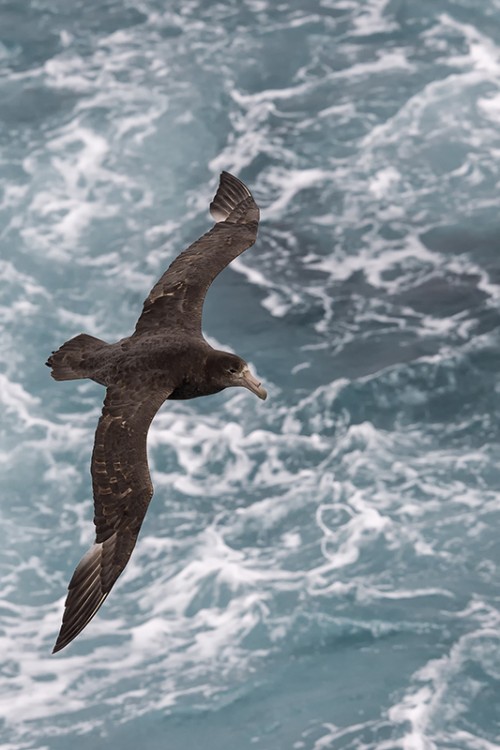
x=165 y=358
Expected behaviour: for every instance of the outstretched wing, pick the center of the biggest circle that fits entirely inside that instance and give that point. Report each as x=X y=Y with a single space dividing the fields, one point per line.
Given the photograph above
x=122 y=492
x=177 y=299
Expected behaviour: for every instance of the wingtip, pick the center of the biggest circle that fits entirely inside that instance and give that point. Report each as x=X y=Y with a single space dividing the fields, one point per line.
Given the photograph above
x=62 y=639
x=85 y=593
x=71 y=629
x=231 y=194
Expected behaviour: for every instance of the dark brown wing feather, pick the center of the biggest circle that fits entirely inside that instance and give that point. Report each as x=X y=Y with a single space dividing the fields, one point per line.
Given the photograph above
x=122 y=492
x=177 y=299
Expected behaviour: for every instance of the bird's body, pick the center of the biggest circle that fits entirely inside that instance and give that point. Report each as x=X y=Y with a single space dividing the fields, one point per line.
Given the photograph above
x=165 y=358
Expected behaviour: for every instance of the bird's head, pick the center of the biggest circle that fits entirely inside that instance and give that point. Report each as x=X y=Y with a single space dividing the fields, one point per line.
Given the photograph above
x=229 y=370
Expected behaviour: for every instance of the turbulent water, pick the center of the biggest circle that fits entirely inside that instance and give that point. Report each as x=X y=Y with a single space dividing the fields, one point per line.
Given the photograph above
x=321 y=570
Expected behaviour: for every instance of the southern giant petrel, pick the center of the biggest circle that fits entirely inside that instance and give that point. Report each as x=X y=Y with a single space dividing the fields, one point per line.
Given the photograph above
x=166 y=357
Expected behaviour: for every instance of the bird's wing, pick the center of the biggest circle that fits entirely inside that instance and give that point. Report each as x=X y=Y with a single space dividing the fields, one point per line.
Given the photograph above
x=177 y=299
x=122 y=492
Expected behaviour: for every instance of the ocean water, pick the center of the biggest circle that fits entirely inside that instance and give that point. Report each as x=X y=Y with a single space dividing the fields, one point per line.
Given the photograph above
x=322 y=570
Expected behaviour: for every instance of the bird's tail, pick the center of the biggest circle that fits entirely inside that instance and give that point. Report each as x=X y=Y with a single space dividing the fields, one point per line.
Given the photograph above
x=70 y=362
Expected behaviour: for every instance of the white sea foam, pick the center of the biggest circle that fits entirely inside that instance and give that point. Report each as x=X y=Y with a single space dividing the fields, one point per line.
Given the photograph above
x=16 y=399
x=290 y=184
x=442 y=692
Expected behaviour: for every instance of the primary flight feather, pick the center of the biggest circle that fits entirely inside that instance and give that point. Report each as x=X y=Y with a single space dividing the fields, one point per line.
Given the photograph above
x=166 y=357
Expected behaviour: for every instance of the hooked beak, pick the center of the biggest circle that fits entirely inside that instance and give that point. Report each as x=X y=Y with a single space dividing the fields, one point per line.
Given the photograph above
x=250 y=381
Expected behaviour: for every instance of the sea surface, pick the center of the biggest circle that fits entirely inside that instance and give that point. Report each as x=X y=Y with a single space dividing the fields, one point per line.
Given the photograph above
x=320 y=571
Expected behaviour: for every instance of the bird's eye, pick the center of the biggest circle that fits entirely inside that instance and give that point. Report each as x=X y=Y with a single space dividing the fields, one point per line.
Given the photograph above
x=233 y=370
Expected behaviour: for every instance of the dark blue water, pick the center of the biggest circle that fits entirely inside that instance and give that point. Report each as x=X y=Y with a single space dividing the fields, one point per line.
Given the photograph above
x=319 y=571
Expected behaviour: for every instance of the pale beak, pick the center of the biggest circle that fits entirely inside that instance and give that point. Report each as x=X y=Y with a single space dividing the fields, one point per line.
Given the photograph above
x=250 y=381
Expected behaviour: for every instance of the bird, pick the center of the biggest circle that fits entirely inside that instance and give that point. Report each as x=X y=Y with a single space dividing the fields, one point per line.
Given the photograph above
x=165 y=358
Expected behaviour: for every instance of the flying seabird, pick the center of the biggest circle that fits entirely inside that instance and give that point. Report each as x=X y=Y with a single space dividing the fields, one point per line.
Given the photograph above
x=166 y=357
